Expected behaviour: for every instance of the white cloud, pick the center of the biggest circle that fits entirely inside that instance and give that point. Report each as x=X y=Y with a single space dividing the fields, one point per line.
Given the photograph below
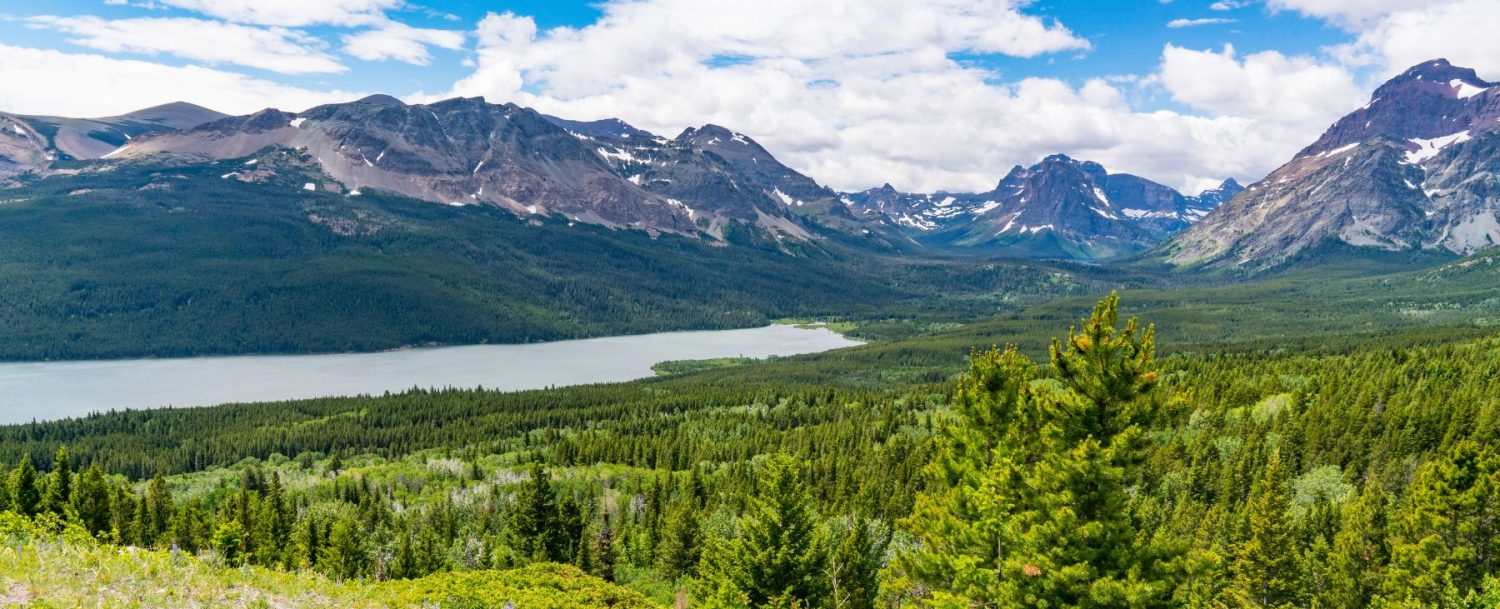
x=276 y=49
x=73 y=84
x=1182 y=23
x=291 y=13
x=1462 y=31
x=838 y=92
x=1266 y=86
x=401 y=42
x=1348 y=12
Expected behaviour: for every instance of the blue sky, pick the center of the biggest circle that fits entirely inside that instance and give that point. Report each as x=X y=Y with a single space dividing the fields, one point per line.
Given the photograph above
x=926 y=94
x=1127 y=37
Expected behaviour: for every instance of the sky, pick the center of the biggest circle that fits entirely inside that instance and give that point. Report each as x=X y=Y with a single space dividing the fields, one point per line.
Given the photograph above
x=925 y=95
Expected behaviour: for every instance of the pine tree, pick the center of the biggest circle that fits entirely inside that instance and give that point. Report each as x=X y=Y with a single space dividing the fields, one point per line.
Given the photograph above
x=229 y=542
x=778 y=558
x=156 y=512
x=343 y=556
x=1266 y=569
x=1027 y=501
x=681 y=545
x=854 y=568
x=1360 y=551
x=1448 y=535
x=25 y=499
x=603 y=553
x=59 y=484
x=534 y=518
x=91 y=501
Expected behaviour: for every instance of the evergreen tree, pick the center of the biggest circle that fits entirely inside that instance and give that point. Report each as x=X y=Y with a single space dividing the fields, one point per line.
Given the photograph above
x=156 y=512
x=854 y=568
x=1359 y=551
x=229 y=541
x=680 y=547
x=1448 y=535
x=603 y=552
x=778 y=558
x=343 y=556
x=534 y=519
x=1266 y=569
x=91 y=501
x=25 y=499
x=59 y=484
x=1028 y=502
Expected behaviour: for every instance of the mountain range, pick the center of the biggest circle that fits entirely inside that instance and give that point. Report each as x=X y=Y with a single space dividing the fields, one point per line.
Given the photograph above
x=1058 y=208
x=1414 y=169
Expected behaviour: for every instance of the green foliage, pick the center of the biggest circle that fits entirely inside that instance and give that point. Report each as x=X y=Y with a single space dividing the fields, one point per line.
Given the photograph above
x=177 y=261
x=777 y=557
x=1446 y=538
x=1266 y=571
x=1117 y=486
x=1028 y=502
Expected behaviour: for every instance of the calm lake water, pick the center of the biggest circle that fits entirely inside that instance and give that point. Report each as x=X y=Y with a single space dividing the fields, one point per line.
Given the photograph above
x=55 y=390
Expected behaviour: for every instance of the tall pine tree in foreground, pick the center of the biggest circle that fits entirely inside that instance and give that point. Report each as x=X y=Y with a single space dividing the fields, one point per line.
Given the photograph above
x=778 y=557
x=1028 y=501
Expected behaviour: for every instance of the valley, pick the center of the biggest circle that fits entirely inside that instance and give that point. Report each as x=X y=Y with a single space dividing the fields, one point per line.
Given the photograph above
x=467 y=355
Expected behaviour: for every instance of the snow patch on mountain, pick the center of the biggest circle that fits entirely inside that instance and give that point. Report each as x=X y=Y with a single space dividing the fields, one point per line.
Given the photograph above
x=1428 y=148
x=1465 y=90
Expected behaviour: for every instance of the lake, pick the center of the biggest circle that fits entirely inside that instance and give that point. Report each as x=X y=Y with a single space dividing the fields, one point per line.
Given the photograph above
x=56 y=390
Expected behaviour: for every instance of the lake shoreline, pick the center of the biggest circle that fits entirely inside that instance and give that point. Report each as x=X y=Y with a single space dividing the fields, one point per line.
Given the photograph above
x=37 y=391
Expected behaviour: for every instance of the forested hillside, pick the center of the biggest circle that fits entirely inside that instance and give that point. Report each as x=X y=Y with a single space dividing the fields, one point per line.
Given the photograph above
x=176 y=259
x=1105 y=478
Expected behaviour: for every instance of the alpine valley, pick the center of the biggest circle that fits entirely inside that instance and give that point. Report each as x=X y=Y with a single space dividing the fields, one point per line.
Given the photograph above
x=1305 y=416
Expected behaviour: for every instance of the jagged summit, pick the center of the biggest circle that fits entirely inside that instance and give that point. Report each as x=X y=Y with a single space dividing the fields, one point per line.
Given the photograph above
x=1058 y=208
x=1415 y=168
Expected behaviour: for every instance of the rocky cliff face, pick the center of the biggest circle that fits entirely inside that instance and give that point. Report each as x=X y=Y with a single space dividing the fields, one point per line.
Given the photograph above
x=470 y=152
x=1414 y=168
x=1060 y=207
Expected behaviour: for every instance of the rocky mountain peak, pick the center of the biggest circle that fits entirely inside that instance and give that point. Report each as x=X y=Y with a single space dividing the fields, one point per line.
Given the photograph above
x=1431 y=100
x=1437 y=75
x=1411 y=169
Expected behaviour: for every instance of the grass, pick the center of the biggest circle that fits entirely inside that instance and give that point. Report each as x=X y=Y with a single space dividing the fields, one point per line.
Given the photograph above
x=45 y=565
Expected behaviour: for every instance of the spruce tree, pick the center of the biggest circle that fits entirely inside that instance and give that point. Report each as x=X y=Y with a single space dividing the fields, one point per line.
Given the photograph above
x=534 y=519
x=1266 y=569
x=156 y=512
x=1360 y=551
x=59 y=484
x=854 y=567
x=1448 y=535
x=25 y=499
x=778 y=558
x=91 y=501
x=681 y=545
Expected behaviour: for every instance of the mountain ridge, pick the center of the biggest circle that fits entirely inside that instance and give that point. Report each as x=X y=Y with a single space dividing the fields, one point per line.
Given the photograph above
x=1414 y=169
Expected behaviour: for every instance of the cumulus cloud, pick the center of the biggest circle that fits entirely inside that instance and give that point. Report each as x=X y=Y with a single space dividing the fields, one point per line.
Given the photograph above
x=276 y=49
x=1462 y=31
x=838 y=93
x=1182 y=23
x=291 y=13
x=80 y=84
x=1267 y=86
x=401 y=42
